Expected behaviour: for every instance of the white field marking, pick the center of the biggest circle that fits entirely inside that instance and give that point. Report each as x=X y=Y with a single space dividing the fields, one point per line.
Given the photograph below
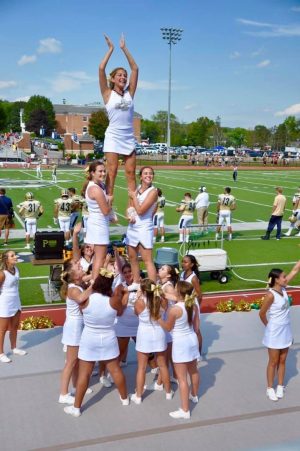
x=243 y=179
x=260 y=220
x=34 y=277
x=239 y=200
x=20 y=220
x=262 y=264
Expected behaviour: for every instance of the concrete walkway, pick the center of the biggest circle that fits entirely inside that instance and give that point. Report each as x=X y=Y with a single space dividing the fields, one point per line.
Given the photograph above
x=233 y=412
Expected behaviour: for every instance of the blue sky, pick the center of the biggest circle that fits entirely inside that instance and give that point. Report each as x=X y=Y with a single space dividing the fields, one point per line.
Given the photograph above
x=237 y=59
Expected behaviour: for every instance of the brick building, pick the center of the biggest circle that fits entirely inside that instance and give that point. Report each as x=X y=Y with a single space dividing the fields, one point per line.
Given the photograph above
x=75 y=119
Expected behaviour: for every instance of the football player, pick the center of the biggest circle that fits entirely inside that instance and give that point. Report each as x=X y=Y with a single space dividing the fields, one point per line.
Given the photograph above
x=159 y=216
x=226 y=203
x=62 y=213
x=295 y=217
x=30 y=210
x=187 y=207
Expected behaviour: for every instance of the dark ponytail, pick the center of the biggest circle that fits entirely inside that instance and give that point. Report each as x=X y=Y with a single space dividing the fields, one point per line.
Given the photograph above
x=194 y=265
x=273 y=275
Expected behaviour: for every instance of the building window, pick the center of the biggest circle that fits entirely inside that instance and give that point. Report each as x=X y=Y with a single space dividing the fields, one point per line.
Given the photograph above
x=84 y=118
x=84 y=129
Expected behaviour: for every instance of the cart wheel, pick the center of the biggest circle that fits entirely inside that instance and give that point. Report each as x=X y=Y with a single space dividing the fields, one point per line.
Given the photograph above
x=223 y=278
x=214 y=275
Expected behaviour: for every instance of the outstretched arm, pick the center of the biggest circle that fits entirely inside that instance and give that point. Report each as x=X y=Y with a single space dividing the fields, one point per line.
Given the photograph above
x=293 y=272
x=105 y=90
x=133 y=79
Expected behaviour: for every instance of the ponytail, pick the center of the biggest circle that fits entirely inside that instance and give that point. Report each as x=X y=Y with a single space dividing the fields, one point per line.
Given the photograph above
x=153 y=296
x=185 y=290
x=273 y=275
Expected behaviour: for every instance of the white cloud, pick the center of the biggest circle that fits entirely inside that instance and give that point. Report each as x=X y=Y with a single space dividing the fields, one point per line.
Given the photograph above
x=235 y=55
x=189 y=107
x=264 y=63
x=152 y=85
x=271 y=30
x=7 y=84
x=27 y=59
x=257 y=52
x=22 y=99
x=71 y=81
x=293 y=110
x=50 y=45
x=296 y=9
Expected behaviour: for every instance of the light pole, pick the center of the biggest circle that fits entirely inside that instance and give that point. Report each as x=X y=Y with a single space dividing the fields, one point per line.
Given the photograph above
x=171 y=35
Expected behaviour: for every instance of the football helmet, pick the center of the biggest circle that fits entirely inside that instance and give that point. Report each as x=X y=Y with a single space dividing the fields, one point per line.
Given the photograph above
x=29 y=196
x=64 y=193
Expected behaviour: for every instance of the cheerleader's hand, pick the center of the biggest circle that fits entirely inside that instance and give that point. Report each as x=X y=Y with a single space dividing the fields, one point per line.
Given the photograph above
x=109 y=42
x=77 y=228
x=122 y=41
x=55 y=221
x=110 y=200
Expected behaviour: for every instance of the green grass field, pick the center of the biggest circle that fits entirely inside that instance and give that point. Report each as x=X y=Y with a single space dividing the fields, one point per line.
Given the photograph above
x=254 y=192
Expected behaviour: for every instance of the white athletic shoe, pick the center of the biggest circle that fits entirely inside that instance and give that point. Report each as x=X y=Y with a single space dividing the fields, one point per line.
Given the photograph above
x=194 y=399
x=178 y=414
x=133 y=287
x=74 y=411
x=18 y=351
x=155 y=386
x=271 y=394
x=88 y=391
x=4 y=358
x=105 y=381
x=169 y=395
x=287 y=234
x=125 y=402
x=136 y=399
x=162 y=239
x=66 y=399
x=27 y=246
x=280 y=391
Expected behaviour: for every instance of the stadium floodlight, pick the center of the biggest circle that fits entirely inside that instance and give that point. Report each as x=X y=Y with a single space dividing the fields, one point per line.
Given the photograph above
x=172 y=36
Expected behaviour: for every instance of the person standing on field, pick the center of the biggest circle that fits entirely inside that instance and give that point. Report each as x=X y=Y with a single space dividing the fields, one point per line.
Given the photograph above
x=202 y=203
x=277 y=214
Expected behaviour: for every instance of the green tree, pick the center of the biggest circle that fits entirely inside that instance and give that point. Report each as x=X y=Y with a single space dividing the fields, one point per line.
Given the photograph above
x=37 y=120
x=262 y=136
x=237 y=136
x=292 y=128
x=40 y=103
x=161 y=119
x=150 y=130
x=280 y=136
x=3 y=119
x=199 y=132
x=98 y=123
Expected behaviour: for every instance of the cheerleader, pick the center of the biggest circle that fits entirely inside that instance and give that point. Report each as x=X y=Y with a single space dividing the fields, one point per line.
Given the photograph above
x=74 y=294
x=98 y=340
x=183 y=320
x=191 y=274
x=151 y=337
x=99 y=209
x=168 y=277
x=84 y=253
x=140 y=229
x=275 y=315
x=10 y=304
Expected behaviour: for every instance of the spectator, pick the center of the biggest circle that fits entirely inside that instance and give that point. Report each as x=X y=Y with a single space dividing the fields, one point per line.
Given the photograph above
x=6 y=214
x=277 y=214
x=202 y=203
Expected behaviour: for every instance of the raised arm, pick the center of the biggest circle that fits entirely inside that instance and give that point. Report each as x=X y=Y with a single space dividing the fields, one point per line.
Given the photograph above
x=293 y=272
x=105 y=90
x=133 y=79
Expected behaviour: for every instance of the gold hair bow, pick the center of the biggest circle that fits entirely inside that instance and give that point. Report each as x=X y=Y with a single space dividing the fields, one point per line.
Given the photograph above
x=63 y=275
x=156 y=289
x=176 y=271
x=189 y=300
x=103 y=272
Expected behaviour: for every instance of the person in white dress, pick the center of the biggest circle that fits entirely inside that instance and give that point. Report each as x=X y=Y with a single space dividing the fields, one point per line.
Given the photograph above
x=191 y=274
x=151 y=337
x=140 y=229
x=98 y=340
x=10 y=304
x=83 y=253
x=183 y=321
x=98 y=224
x=275 y=315
x=118 y=100
x=72 y=290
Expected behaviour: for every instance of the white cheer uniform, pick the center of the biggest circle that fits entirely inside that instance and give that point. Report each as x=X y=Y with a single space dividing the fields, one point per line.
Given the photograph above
x=98 y=223
x=9 y=294
x=278 y=332
x=151 y=336
x=73 y=325
x=185 y=343
x=165 y=314
x=141 y=232
x=189 y=279
x=98 y=340
x=119 y=136
x=127 y=324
